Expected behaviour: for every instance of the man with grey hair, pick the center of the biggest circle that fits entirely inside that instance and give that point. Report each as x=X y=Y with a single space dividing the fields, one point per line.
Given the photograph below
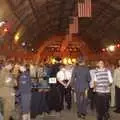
x=80 y=80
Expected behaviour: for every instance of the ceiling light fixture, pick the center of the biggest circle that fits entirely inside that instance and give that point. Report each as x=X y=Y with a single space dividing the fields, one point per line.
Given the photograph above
x=23 y=44
x=17 y=37
x=2 y=23
x=103 y=49
x=5 y=29
x=111 y=48
x=32 y=50
x=118 y=45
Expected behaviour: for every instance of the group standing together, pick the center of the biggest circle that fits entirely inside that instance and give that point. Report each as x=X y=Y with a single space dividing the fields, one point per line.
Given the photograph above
x=21 y=79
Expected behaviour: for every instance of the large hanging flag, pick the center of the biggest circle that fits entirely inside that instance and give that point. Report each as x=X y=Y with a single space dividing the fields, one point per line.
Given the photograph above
x=84 y=8
x=73 y=27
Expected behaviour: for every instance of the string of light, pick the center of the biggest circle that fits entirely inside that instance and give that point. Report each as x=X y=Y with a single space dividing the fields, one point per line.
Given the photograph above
x=111 y=48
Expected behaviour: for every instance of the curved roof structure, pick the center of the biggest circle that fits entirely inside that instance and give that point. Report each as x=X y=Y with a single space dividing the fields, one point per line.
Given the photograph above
x=36 y=20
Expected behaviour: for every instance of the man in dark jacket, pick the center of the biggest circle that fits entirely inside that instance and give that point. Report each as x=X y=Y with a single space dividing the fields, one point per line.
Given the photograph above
x=81 y=79
x=25 y=92
x=54 y=94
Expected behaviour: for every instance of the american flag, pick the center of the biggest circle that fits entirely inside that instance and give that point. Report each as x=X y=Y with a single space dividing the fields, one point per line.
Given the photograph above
x=73 y=27
x=84 y=8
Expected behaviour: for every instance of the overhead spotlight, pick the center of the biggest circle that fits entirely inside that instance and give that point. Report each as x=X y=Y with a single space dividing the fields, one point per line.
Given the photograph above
x=32 y=50
x=2 y=23
x=118 y=45
x=23 y=44
x=53 y=60
x=111 y=48
x=5 y=29
x=17 y=37
x=69 y=61
x=74 y=60
x=70 y=49
x=103 y=49
x=107 y=49
x=65 y=61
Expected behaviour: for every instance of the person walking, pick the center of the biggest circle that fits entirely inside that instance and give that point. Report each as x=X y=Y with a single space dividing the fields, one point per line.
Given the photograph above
x=102 y=82
x=7 y=92
x=117 y=87
x=91 y=90
x=80 y=81
x=25 y=92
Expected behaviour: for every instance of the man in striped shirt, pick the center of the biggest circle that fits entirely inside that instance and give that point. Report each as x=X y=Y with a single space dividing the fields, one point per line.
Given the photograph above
x=102 y=81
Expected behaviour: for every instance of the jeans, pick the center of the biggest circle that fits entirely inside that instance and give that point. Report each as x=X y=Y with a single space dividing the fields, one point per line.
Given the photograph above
x=82 y=102
x=117 y=97
x=65 y=94
x=102 y=105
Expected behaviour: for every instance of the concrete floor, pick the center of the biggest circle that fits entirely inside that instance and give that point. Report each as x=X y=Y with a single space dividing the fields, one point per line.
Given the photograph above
x=71 y=115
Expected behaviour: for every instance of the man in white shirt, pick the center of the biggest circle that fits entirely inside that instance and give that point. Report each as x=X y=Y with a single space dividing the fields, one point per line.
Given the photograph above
x=64 y=79
x=117 y=87
x=91 y=90
x=33 y=70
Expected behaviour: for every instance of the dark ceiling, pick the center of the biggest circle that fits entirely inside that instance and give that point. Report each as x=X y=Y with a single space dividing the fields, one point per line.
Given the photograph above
x=38 y=19
x=42 y=18
x=103 y=28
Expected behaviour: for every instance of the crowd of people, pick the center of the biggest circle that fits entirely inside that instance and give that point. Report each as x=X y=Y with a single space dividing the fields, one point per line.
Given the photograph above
x=44 y=87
